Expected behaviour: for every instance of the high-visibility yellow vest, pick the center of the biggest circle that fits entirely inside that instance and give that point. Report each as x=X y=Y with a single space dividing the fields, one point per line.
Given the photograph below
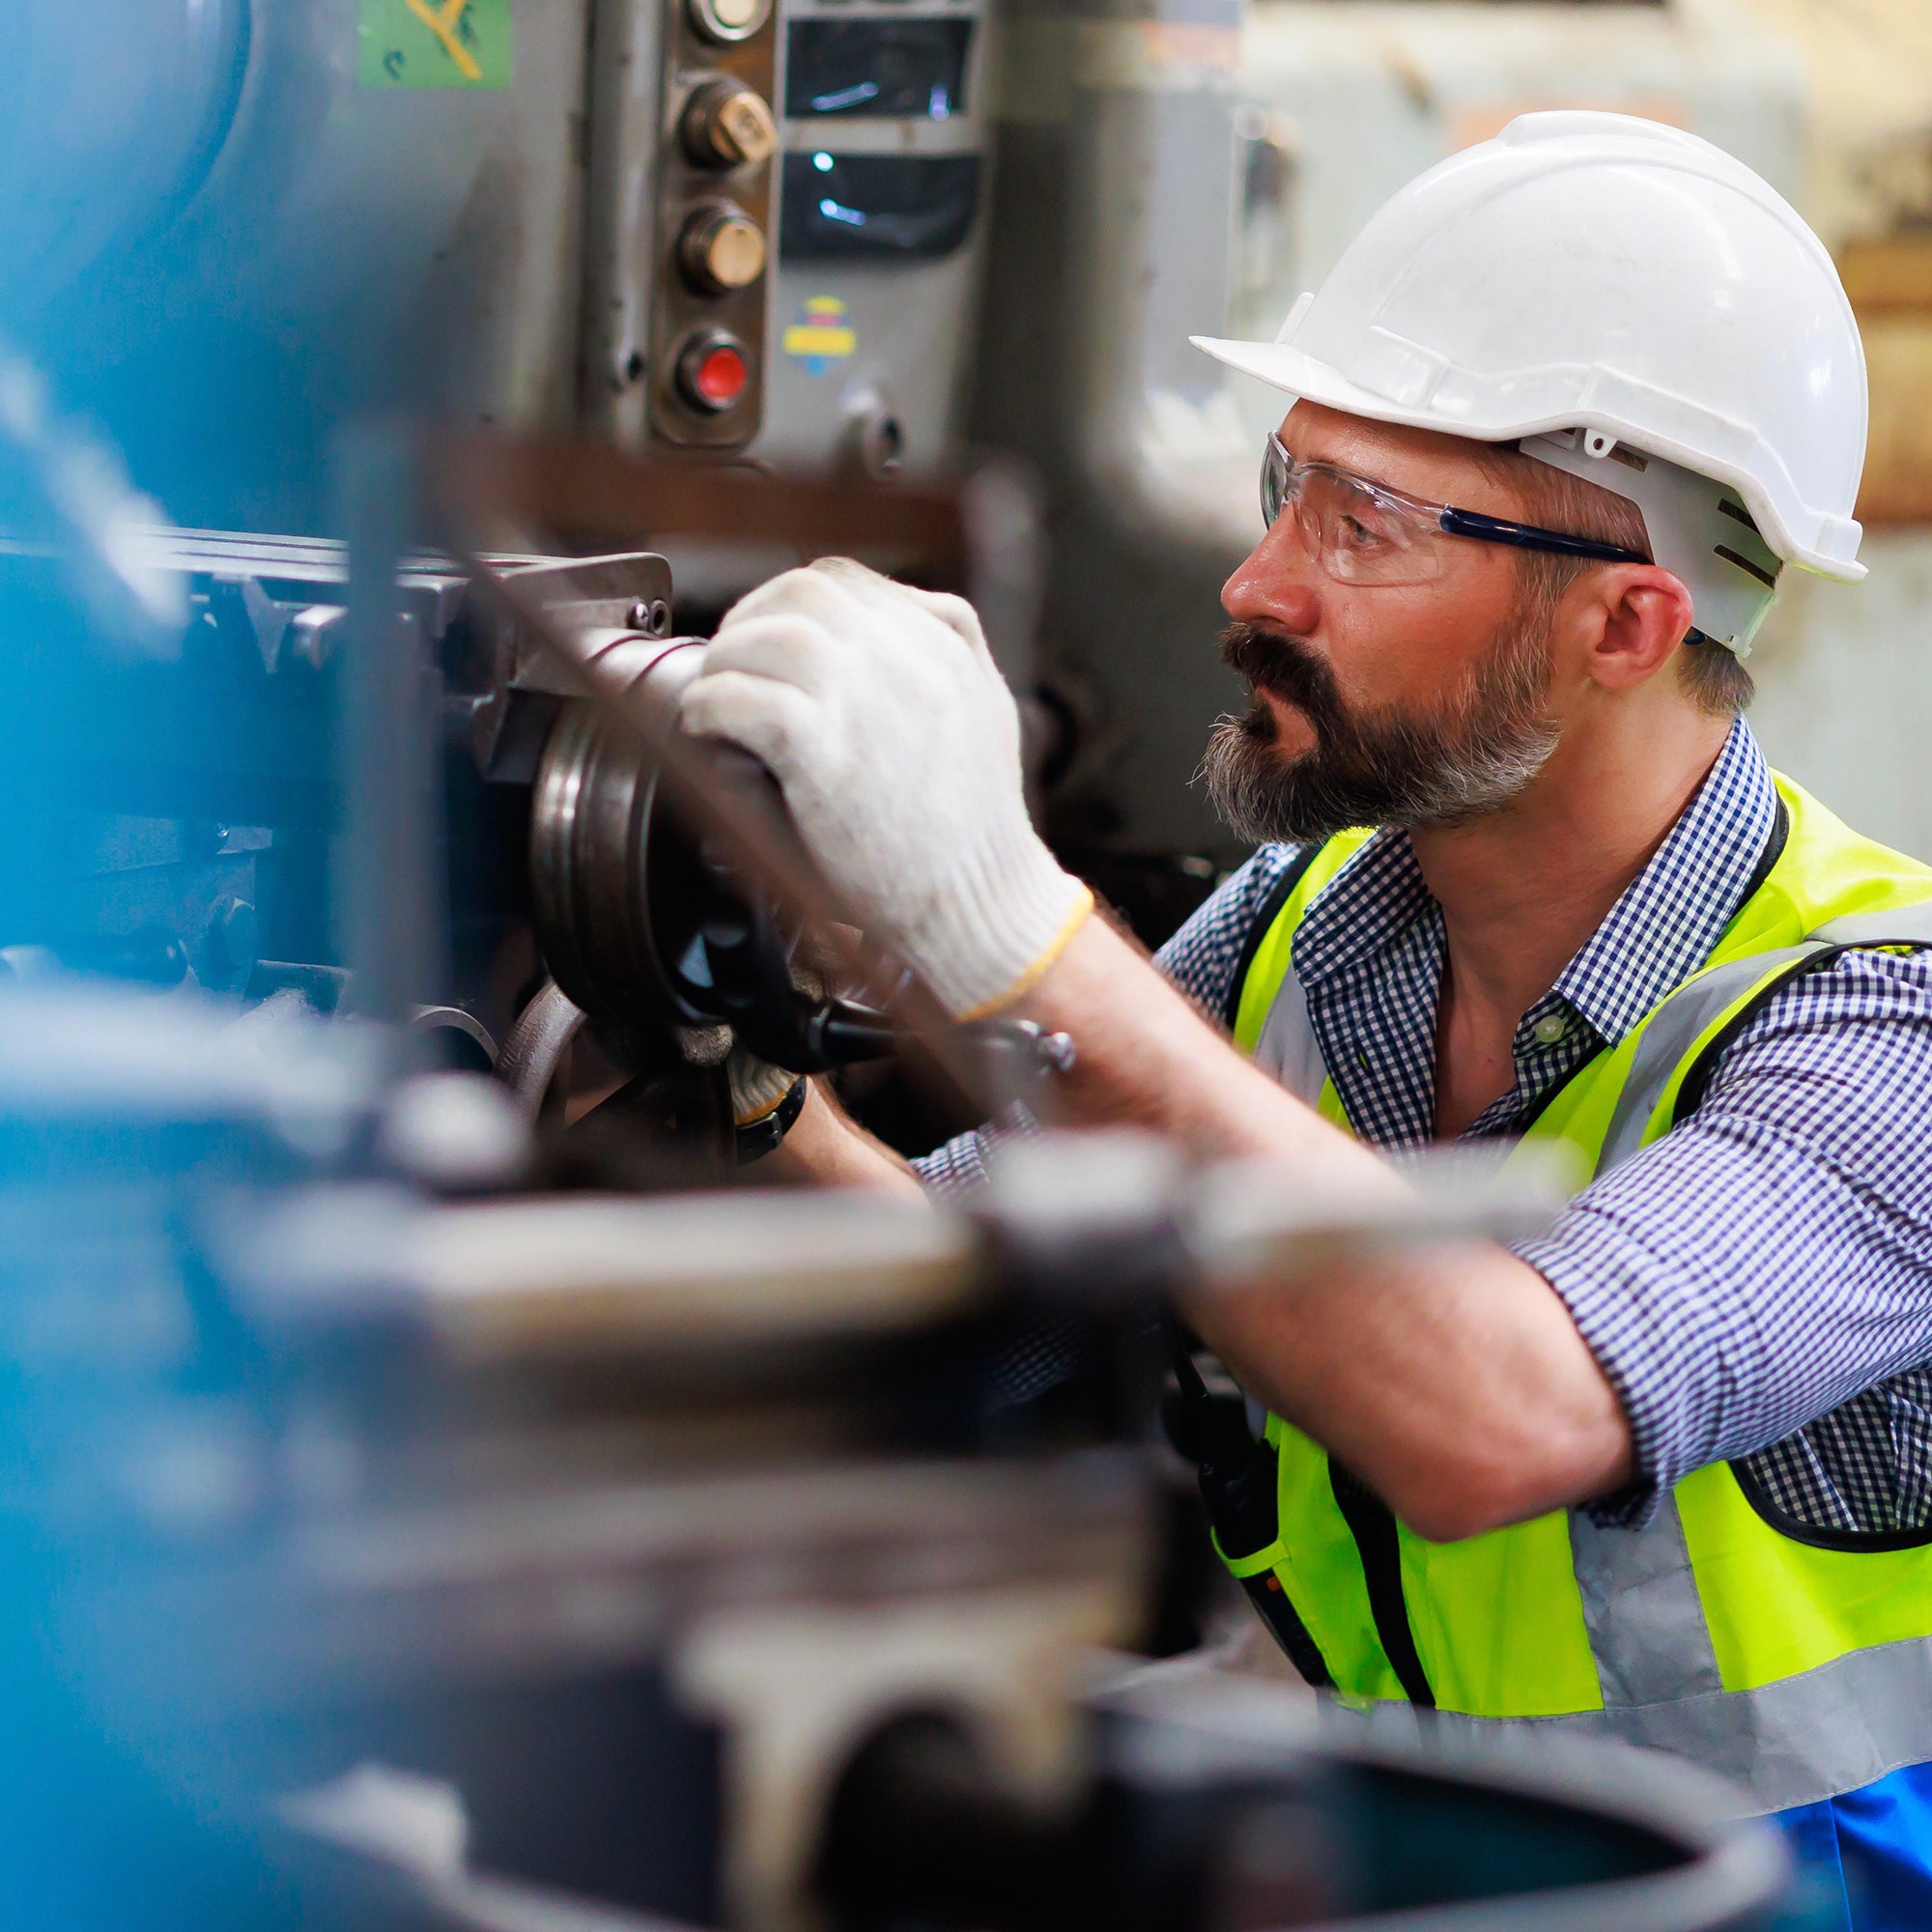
x=1798 y=1663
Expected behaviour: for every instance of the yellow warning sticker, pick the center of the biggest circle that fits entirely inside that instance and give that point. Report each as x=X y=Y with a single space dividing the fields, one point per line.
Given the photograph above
x=819 y=335
x=433 y=43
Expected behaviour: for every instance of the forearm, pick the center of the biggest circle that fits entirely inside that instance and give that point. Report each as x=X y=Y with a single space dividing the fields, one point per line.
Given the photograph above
x=1453 y=1380
x=1145 y=1057
x=826 y=1147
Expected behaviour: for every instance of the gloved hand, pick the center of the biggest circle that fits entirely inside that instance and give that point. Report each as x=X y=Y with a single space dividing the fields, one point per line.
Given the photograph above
x=896 y=744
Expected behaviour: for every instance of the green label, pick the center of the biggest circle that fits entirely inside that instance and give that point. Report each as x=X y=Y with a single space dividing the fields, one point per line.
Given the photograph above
x=434 y=44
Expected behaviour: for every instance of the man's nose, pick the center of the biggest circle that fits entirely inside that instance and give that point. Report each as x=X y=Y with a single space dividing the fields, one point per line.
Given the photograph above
x=1276 y=583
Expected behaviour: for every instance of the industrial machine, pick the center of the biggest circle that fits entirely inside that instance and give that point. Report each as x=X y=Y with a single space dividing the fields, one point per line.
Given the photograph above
x=445 y=1494
x=438 y=1500
x=877 y=233
x=737 y=229
x=784 y=228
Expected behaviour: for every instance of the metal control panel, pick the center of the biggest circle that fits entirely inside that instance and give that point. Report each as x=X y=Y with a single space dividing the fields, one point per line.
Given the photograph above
x=683 y=170
x=784 y=230
x=719 y=142
x=882 y=203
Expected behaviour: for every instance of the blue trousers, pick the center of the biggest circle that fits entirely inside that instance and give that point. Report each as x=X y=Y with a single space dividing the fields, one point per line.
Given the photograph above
x=1870 y=1851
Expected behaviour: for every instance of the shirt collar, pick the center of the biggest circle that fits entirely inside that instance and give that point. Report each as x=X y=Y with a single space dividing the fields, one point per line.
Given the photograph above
x=1370 y=904
x=1660 y=931
x=1673 y=913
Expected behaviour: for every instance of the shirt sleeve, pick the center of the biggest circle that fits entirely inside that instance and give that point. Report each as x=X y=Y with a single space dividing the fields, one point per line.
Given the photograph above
x=959 y=1165
x=1771 y=1258
x=1200 y=959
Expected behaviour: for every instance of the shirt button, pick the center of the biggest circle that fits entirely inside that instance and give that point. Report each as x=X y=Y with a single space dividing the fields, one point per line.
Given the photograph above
x=1550 y=1028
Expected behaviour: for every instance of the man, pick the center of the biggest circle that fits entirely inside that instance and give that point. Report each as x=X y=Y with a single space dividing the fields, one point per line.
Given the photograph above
x=1563 y=412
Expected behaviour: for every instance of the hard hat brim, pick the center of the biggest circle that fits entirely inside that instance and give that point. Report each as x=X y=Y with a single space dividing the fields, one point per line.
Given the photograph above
x=1304 y=376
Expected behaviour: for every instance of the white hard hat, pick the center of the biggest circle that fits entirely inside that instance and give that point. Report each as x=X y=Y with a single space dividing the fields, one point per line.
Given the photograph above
x=1605 y=276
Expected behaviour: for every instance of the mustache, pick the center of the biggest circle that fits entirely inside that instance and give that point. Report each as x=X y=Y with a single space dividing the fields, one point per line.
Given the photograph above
x=1283 y=668
x=1387 y=765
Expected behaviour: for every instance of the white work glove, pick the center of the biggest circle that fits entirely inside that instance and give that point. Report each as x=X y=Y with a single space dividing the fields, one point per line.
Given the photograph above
x=897 y=746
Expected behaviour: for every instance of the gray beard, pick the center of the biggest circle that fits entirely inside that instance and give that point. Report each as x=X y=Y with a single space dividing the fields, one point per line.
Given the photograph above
x=1388 y=766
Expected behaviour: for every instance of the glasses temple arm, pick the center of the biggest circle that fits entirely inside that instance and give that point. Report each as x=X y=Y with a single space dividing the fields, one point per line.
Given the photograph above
x=1527 y=536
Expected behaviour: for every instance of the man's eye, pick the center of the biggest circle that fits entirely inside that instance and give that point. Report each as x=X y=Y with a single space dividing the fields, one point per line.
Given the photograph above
x=1359 y=535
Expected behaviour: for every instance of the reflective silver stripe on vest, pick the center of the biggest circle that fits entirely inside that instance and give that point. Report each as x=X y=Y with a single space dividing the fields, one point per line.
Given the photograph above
x=1666 y=1042
x=1795 y=1741
x=1675 y=1025
x=1906 y=926
x=1641 y=1609
x=1287 y=1047
x=1656 y=1663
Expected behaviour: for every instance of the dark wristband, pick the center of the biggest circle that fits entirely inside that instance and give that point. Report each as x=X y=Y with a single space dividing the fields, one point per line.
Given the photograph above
x=758 y=1138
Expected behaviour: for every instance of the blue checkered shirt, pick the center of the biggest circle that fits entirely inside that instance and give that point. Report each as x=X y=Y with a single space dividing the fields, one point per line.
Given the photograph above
x=1757 y=1285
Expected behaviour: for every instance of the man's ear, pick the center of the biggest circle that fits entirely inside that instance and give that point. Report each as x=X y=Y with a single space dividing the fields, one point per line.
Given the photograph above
x=1637 y=616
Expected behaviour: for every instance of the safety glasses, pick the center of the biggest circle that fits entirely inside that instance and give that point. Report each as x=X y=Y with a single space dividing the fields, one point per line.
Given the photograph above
x=1364 y=532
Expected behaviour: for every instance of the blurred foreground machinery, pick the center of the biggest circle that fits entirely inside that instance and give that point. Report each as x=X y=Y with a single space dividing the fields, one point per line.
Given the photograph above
x=560 y=1563
x=438 y=1498
x=425 y=1513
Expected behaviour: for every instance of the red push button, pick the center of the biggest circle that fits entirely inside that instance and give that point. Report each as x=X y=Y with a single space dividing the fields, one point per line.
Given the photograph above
x=713 y=371
x=721 y=376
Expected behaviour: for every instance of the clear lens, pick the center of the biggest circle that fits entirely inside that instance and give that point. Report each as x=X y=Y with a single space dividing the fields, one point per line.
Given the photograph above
x=1356 y=532
x=1274 y=479
x=1366 y=536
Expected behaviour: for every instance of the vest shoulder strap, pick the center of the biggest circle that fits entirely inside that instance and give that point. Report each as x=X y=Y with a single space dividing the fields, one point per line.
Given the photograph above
x=1263 y=969
x=1826 y=890
x=1685 y=1035
x=1279 y=894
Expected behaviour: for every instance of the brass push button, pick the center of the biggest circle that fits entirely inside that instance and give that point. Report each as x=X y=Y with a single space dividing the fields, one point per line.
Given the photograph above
x=726 y=126
x=720 y=249
x=729 y=19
